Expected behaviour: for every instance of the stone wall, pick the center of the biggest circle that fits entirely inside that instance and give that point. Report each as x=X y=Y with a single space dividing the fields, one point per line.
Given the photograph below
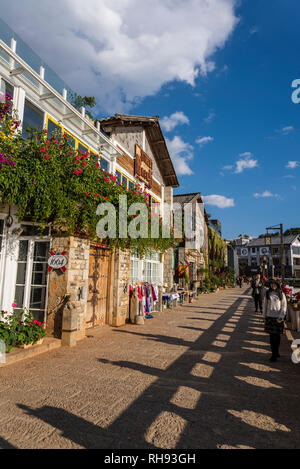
x=66 y=304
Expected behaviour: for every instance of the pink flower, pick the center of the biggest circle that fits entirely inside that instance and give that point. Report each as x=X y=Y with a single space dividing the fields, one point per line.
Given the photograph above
x=43 y=150
x=14 y=305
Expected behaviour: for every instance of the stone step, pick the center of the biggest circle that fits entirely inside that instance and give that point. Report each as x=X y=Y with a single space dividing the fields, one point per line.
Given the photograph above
x=19 y=354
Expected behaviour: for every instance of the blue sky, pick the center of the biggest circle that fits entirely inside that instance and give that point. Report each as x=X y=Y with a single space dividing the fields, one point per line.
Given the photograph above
x=249 y=99
x=217 y=72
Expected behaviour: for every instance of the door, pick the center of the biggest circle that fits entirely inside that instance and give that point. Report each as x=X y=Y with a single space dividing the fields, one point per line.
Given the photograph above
x=99 y=269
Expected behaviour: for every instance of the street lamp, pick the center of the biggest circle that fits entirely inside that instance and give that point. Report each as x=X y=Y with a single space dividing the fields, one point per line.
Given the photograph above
x=279 y=229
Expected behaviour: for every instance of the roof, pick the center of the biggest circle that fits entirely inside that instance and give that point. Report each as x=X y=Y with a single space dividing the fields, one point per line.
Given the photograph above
x=186 y=198
x=156 y=140
x=275 y=240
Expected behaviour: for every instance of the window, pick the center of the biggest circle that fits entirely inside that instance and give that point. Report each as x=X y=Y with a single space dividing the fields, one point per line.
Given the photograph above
x=104 y=164
x=296 y=251
x=6 y=88
x=33 y=117
x=31 y=282
x=124 y=181
x=71 y=140
x=83 y=148
x=253 y=250
x=152 y=268
x=134 y=267
x=54 y=130
x=119 y=177
x=130 y=185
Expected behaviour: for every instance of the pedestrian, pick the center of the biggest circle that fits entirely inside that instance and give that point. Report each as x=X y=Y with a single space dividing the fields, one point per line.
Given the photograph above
x=239 y=281
x=258 y=290
x=275 y=308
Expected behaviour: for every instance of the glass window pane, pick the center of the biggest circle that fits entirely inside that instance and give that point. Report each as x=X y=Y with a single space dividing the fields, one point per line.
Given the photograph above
x=82 y=148
x=119 y=177
x=130 y=185
x=23 y=250
x=71 y=141
x=38 y=315
x=33 y=117
x=53 y=129
x=39 y=278
x=104 y=164
x=7 y=88
x=124 y=181
x=38 y=298
x=41 y=252
x=21 y=273
x=19 y=296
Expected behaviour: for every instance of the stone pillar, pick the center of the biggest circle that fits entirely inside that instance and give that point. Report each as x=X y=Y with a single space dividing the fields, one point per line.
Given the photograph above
x=67 y=300
x=168 y=258
x=121 y=293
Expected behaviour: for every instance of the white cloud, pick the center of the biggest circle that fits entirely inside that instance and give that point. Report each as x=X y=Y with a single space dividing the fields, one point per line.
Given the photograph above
x=209 y=118
x=254 y=30
x=287 y=130
x=123 y=50
x=266 y=194
x=293 y=164
x=181 y=153
x=218 y=201
x=169 y=123
x=246 y=161
x=228 y=167
x=201 y=141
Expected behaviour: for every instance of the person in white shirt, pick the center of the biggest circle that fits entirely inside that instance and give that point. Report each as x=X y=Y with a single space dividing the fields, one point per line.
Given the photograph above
x=275 y=308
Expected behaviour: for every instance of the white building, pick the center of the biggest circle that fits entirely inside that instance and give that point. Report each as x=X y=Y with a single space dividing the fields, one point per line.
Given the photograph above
x=251 y=255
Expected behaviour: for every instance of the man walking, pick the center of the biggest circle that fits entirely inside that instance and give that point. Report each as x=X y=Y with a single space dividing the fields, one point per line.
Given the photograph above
x=258 y=292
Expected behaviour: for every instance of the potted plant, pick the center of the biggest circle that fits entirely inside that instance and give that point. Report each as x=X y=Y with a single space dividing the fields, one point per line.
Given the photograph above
x=21 y=329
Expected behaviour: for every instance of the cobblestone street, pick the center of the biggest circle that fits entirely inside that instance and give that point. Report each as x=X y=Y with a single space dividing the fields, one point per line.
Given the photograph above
x=195 y=377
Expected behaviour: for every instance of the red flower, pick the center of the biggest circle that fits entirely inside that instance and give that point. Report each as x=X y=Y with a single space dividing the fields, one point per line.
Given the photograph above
x=43 y=150
x=96 y=195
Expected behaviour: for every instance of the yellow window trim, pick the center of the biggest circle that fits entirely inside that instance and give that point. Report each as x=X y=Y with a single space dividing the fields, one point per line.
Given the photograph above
x=77 y=141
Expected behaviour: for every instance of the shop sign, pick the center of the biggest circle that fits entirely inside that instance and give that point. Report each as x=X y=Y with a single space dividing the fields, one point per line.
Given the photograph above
x=57 y=261
x=143 y=167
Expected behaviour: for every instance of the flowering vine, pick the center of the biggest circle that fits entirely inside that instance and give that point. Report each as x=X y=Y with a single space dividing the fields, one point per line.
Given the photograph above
x=52 y=183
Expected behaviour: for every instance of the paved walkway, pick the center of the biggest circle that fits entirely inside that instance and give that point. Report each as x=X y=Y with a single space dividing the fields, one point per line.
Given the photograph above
x=196 y=377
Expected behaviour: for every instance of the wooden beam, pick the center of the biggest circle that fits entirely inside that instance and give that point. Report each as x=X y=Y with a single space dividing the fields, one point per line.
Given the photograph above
x=17 y=71
x=46 y=96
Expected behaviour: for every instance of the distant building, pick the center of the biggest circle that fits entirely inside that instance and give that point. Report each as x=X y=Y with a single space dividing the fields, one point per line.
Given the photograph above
x=256 y=254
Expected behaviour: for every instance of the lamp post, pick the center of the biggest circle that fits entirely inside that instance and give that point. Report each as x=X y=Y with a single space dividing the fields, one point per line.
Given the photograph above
x=279 y=229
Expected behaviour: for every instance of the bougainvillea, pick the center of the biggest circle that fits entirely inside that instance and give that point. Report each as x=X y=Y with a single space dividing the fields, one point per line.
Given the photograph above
x=54 y=184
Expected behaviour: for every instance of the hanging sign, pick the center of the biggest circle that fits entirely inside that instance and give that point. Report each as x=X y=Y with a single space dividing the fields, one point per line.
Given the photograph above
x=57 y=261
x=182 y=269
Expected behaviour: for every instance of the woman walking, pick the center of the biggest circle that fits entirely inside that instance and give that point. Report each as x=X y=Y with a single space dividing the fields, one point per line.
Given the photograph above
x=274 y=312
